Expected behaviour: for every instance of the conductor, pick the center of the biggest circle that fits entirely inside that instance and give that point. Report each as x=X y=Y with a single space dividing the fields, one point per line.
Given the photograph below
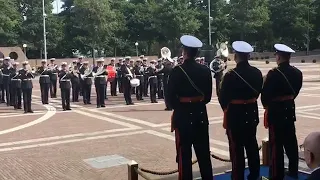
x=189 y=90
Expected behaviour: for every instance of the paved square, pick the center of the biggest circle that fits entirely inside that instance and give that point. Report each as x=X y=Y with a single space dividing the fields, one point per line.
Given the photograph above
x=55 y=145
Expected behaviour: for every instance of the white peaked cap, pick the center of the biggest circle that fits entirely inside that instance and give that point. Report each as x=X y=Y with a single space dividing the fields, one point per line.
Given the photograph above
x=283 y=48
x=191 y=41
x=242 y=47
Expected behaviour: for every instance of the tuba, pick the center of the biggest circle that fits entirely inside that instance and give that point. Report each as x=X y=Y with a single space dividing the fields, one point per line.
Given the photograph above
x=87 y=72
x=218 y=63
x=99 y=72
x=166 y=54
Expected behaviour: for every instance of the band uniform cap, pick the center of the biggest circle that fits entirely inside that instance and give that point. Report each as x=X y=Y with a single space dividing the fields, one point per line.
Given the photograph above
x=52 y=59
x=202 y=58
x=127 y=57
x=283 y=48
x=75 y=61
x=64 y=63
x=138 y=60
x=86 y=62
x=191 y=41
x=153 y=61
x=112 y=59
x=242 y=47
x=100 y=60
x=7 y=58
x=80 y=57
x=120 y=59
x=159 y=60
x=198 y=59
x=15 y=63
x=141 y=56
x=1 y=59
x=25 y=62
x=43 y=60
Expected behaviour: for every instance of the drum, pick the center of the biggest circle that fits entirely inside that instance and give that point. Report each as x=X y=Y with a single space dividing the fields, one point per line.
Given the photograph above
x=135 y=82
x=112 y=72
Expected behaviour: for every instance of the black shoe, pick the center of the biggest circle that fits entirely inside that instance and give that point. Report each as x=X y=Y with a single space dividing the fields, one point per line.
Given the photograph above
x=89 y=103
x=19 y=108
x=64 y=109
x=30 y=111
x=98 y=106
x=103 y=105
x=68 y=109
x=131 y=104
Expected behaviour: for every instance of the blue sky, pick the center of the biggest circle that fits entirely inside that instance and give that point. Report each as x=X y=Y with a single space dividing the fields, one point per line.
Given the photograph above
x=55 y=3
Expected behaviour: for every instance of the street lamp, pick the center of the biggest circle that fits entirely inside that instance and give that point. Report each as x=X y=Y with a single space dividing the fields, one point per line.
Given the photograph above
x=136 y=44
x=209 y=19
x=44 y=31
x=25 y=51
x=308 y=31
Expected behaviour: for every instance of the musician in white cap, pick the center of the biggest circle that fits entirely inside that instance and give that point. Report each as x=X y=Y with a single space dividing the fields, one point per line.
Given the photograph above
x=138 y=72
x=160 y=77
x=65 y=86
x=86 y=81
x=1 y=81
x=239 y=90
x=53 y=77
x=282 y=85
x=131 y=66
x=79 y=66
x=126 y=76
x=44 y=81
x=100 y=82
x=119 y=77
x=75 y=82
x=15 y=87
x=6 y=80
x=26 y=77
x=152 y=72
x=146 y=77
x=189 y=90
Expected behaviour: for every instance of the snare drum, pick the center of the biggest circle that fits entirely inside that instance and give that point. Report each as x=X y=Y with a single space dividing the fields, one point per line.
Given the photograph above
x=135 y=82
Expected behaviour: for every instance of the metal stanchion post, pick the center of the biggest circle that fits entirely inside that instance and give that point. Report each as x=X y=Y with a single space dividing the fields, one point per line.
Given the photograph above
x=132 y=173
x=265 y=152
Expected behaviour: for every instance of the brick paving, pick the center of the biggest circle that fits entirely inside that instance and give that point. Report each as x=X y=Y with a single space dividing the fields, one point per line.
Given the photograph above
x=35 y=147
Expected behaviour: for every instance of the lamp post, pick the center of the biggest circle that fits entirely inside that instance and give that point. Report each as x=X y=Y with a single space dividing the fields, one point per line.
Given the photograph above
x=209 y=19
x=308 y=30
x=25 y=51
x=136 y=44
x=44 y=31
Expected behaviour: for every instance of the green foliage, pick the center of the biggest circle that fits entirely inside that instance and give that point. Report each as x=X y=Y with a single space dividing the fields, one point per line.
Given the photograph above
x=113 y=26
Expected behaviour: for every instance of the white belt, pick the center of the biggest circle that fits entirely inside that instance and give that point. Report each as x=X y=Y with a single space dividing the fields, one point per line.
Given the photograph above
x=27 y=79
x=65 y=80
x=6 y=75
x=44 y=75
x=15 y=79
x=139 y=75
x=100 y=76
x=54 y=73
x=87 y=77
x=161 y=74
x=152 y=76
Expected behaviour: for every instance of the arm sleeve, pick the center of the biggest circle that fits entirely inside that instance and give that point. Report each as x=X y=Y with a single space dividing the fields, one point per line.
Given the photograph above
x=208 y=90
x=266 y=93
x=225 y=88
x=172 y=89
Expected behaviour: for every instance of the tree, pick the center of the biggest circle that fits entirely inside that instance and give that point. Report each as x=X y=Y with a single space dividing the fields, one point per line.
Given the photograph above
x=9 y=23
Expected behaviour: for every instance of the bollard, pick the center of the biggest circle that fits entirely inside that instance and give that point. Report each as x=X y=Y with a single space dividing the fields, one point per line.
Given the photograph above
x=132 y=174
x=265 y=152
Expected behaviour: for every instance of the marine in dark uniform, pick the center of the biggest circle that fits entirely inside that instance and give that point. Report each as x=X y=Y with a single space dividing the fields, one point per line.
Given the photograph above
x=138 y=72
x=119 y=75
x=53 y=78
x=239 y=91
x=79 y=66
x=126 y=77
x=65 y=86
x=15 y=87
x=44 y=81
x=168 y=66
x=189 y=90
x=146 y=77
x=75 y=82
x=100 y=82
x=1 y=82
x=153 y=82
x=12 y=72
x=6 y=81
x=160 y=77
x=26 y=77
x=113 y=84
x=131 y=66
x=282 y=85
x=86 y=76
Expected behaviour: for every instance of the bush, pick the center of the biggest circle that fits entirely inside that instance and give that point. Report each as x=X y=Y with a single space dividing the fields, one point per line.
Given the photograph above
x=303 y=61
x=314 y=61
x=267 y=57
x=267 y=62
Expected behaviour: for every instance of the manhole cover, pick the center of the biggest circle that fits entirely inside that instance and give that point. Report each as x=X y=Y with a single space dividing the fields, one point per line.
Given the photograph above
x=106 y=161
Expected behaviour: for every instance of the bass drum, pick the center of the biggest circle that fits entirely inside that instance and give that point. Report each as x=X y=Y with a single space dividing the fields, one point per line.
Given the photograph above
x=135 y=82
x=111 y=73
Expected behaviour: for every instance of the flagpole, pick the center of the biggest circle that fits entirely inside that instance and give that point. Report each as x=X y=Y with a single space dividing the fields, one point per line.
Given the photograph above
x=44 y=30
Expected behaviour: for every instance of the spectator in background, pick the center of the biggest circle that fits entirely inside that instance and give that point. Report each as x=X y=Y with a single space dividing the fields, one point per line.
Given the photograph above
x=311 y=148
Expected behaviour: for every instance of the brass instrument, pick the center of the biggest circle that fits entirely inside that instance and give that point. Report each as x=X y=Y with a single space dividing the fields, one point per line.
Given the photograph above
x=99 y=72
x=29 y=70
x=87 y=72
x=166 y=54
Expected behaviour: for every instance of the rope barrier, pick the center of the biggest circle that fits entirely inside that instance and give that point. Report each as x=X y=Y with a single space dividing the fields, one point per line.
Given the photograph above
x=142 y=171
